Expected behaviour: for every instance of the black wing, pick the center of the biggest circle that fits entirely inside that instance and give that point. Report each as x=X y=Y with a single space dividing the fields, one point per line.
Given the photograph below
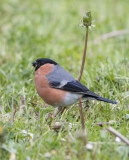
x=75 y=87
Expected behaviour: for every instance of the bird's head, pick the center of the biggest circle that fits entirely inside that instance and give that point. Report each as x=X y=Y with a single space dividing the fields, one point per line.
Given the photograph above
x=41 y=61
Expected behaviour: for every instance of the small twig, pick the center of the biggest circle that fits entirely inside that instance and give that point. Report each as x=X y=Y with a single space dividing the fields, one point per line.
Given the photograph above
x=102 y=123
x=13 y=115
x=84 y=55
x=117 y=134
x=110 y=35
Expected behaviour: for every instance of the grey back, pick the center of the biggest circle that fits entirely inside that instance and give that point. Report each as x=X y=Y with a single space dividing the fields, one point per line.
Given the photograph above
x=59 y=74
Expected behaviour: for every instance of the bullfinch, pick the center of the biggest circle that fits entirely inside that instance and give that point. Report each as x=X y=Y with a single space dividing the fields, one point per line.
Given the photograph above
x=57 y=87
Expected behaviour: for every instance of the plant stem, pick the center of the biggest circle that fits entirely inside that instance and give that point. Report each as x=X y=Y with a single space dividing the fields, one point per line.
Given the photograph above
x=117 y=134
x=79 y=78
x=84 y=55
x=82 y=115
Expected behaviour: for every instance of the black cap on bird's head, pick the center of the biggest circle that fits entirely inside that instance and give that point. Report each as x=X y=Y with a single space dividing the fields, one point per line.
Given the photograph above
x=41 y=61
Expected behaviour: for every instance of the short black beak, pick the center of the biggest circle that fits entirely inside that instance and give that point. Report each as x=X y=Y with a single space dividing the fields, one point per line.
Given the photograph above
x=34 y=64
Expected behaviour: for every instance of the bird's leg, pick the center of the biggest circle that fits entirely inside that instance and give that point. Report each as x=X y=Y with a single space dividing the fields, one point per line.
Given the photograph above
x=60 y=111
x=54 y=115
x=87 y=105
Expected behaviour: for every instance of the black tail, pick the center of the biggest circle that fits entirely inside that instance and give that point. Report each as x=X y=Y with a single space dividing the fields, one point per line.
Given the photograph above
x=95 y=96
x=105 y=100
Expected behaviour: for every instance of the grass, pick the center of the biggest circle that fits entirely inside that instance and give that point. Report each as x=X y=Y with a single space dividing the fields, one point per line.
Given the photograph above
x=32 y=29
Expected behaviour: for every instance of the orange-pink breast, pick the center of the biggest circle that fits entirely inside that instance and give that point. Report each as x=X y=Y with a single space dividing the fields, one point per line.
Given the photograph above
x=50 y=95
